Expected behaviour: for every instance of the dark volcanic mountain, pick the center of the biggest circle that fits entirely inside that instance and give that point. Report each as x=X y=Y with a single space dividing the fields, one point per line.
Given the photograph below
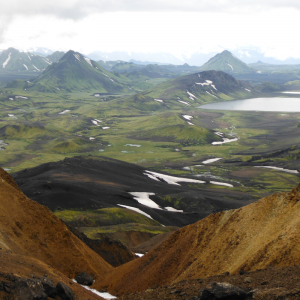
x=199 y=88
x=95 y=183
x=75 y=72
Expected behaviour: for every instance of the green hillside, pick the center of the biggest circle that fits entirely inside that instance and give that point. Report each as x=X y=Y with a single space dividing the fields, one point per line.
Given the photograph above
x=55 y=56
x=193 y=90
x=74 y=72
x=228 y=63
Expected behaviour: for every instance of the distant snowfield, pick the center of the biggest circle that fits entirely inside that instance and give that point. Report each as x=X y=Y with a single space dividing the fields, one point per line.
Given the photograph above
x=170 y=179
x=159 y=100
x=103 y=295
x=25 y=67
x=106 y=127
x=136 y=210
x=209 y=161
x=6 y=61
x=64 y=112
x=221 y=183
x=279 y=169
x=21 y=97
x=248 y=90
x=139 y=254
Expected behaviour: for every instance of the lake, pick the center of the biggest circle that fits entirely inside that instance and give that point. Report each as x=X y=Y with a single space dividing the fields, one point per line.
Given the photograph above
x=258 y=104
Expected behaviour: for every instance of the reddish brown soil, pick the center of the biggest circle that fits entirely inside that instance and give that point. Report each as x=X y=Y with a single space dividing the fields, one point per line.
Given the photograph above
x=30 y=230
x=271 y=283
x=253 y=237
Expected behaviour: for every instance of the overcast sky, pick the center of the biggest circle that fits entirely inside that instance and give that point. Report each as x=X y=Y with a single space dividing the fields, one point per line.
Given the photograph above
x=174 y=26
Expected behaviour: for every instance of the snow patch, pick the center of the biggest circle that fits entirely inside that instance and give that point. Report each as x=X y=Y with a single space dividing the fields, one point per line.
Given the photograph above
x=77 y=56
x=64 y=112
x=159 y=100
x=168 y=208
x=170 y=179
x=11 y=99
x=36 y=68
x=291 y=93
x=183 y=102
x=21 y=97
x=6 y=61
x=191 y=96
x=91 y=138
x=25 y=67
x=137 y=210
x=279 y=169
x=28 y=56
x=88 y=61
x=49 y=63
x=143 y=198
x=187 y=117
x=139 y=254
x=106 y=127
x=221 y=183
x=190 y=123
x=248 y=90
x=211 y=94
x=132 y=145
x=103 y=295
x=209 y=161
x=225 y=140
x=230 y=66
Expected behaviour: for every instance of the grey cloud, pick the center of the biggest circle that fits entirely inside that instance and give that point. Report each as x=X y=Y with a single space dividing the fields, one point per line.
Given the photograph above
x=75 y=9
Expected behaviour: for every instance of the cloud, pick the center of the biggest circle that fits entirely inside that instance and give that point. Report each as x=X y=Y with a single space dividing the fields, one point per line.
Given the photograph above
x=75 y=9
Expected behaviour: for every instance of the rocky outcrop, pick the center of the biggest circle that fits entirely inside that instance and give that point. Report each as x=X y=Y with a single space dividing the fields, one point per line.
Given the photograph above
x=250 y=238
x=114 y=252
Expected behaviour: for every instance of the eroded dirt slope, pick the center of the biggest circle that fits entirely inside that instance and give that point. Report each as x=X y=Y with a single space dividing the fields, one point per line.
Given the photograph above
x=31 y=230
x=250 y=238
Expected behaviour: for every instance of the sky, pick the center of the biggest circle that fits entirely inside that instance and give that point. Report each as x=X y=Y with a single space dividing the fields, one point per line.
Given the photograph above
x=178 y=27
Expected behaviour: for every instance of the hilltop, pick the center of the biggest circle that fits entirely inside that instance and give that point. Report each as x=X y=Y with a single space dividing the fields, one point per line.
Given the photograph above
x=228 y=63
x=254 y=237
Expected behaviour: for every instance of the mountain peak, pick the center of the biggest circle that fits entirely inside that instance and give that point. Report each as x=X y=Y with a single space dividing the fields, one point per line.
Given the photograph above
x=226 y=62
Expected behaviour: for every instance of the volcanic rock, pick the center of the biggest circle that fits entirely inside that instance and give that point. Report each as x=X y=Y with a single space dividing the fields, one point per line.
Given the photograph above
x=84 y=278
x=223 y=291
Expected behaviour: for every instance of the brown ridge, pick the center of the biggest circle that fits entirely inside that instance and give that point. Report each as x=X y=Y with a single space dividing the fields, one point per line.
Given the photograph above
x=29 y=229
x=254 y=237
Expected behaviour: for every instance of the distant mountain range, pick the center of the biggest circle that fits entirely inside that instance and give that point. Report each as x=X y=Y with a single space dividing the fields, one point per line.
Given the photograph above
x=14 y=60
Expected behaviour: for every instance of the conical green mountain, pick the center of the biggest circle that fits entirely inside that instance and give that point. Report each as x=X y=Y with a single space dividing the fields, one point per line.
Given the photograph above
x=228 y=63
x=74 y=72
x=14 y=60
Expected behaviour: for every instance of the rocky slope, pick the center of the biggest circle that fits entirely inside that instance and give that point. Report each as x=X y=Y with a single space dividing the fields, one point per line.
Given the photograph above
x=29 y=230
x=247 y=239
